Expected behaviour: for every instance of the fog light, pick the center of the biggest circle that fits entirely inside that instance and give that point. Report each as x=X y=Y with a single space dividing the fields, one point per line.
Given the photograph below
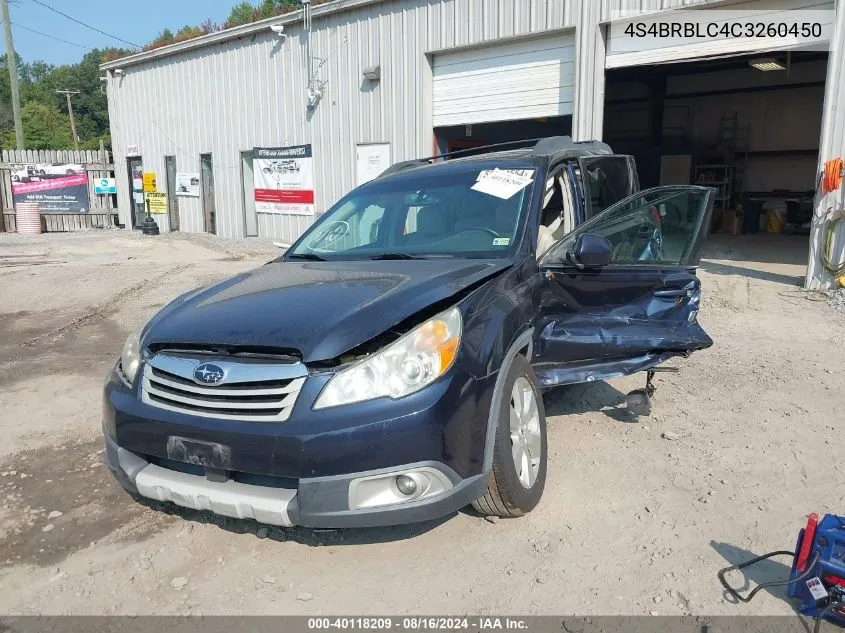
x=401 y=486
x=406 y=485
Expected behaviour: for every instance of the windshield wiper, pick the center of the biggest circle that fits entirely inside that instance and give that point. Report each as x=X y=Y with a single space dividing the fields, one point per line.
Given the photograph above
x=397 y=256
x=309 y=256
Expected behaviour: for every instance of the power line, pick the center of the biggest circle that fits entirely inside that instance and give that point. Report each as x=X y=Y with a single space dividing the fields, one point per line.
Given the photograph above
x=52 y=37
x=87 y=26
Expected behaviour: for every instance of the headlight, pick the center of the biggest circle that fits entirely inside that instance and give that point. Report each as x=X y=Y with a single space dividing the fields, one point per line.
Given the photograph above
x=130 y=357
x=417 y=359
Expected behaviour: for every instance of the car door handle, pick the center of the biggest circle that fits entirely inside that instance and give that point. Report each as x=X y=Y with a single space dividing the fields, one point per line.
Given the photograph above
x=679 y=292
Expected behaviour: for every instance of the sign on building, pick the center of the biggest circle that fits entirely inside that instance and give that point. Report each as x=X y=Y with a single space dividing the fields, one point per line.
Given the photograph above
x=284 y=180
x=371 y=160
x=188 y=184
x=156 y=201
x=149 y=181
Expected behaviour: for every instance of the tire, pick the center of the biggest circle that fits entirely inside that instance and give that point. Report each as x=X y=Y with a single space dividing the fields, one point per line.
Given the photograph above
x=507 y=495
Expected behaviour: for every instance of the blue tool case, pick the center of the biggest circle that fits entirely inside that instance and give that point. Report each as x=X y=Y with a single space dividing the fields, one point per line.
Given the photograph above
x=821 y=590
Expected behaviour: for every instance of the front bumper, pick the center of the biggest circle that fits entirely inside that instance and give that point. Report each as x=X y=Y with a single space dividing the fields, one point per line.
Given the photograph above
x=321 y=502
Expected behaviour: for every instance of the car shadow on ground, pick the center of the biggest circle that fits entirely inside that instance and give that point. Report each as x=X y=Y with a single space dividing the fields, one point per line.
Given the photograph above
x=743 y=271
x=769 y=570
x=300 y=535
x=586 y=397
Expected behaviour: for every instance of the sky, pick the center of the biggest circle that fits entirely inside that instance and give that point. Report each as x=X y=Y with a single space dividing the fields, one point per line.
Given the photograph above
x=137 y=22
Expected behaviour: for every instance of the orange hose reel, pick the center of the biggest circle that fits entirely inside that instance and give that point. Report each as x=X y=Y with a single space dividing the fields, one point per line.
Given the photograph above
x=832 y=178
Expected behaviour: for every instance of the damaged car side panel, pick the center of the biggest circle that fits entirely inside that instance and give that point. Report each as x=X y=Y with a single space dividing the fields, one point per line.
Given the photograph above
x=603 y=324
x=637 y=309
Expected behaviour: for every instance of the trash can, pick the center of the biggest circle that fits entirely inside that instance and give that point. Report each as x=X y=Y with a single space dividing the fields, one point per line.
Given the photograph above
x=28 y=218
x=751 y=212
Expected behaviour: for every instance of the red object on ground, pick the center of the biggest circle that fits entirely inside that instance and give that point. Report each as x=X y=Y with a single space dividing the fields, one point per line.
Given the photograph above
x=807 y=543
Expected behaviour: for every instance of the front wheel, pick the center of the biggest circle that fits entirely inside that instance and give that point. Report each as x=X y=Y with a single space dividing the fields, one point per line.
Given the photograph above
x=518 y=475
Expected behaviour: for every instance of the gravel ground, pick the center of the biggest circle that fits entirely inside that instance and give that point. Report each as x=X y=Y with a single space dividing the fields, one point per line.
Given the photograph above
x=636 y=518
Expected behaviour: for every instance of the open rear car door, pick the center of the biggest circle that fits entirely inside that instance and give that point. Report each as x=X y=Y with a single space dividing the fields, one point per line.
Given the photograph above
x=620 y=294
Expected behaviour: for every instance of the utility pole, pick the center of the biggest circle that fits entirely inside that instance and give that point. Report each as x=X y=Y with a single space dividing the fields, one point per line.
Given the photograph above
x=68 y=93
x=12 y=62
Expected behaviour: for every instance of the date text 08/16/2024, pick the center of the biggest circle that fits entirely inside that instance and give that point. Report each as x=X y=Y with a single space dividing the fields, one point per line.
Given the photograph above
x=419 y=623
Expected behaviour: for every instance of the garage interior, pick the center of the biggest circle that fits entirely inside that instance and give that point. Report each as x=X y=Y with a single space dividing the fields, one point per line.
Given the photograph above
x=748 y=125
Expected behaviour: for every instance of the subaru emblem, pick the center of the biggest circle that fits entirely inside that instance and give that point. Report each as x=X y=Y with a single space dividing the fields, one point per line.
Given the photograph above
x=209 y=374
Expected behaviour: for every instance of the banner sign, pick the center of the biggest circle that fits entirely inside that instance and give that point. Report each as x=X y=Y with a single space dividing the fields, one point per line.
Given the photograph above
x=105 y=186
x=157 y=201
x=284 y=180
x=188 y=184
x=58 y=188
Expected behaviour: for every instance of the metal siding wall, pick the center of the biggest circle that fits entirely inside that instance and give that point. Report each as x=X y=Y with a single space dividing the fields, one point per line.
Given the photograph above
x=637 y=7
x=118 y=153
x=832 y=146
x=588 y=106
x=229 y=97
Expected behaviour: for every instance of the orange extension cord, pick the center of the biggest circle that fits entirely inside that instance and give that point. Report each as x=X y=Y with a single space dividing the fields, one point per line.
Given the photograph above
x=832 y=179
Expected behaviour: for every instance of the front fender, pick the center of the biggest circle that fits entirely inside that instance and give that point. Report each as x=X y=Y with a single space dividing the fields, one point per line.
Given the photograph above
x=495 y=315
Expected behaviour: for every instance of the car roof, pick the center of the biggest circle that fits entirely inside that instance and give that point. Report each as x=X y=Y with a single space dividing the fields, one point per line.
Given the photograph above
x=552 y=148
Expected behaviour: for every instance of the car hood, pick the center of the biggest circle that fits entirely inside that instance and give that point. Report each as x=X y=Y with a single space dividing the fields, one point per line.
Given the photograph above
x=320 y=309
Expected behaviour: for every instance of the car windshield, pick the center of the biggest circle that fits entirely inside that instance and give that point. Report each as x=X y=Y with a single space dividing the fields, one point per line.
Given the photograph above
x=471 y=212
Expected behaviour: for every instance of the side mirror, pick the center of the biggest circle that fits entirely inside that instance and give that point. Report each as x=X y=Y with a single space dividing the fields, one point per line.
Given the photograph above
x=591 y=251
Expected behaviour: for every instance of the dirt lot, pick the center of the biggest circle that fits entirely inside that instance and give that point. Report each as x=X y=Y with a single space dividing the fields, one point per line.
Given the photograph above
x=636 y=518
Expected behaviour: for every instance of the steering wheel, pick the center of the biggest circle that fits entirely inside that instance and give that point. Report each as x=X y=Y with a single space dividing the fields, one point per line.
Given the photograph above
x=484 y=229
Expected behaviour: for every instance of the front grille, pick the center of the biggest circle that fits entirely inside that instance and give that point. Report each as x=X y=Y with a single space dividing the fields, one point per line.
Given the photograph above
x=251 y=391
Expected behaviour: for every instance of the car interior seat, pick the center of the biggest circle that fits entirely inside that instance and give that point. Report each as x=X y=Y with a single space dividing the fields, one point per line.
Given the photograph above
x=505 y=217
x=433 y=223
x=556 y=217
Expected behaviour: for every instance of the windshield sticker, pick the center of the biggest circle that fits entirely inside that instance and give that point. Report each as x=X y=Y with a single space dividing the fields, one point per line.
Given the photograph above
x=501 y=241
x=503 y=183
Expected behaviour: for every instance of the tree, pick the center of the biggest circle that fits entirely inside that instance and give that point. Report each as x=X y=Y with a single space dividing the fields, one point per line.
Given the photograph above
x=241 y=14
x=44 y=127
x=49 y=124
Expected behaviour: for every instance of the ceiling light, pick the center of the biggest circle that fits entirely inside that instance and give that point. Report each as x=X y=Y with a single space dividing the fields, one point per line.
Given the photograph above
x=766 y=63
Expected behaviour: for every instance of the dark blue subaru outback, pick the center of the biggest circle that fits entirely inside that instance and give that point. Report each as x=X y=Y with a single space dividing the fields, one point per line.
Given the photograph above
x=388 y=368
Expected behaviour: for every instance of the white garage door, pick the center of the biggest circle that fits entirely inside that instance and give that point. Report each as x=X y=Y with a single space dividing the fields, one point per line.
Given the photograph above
x=523 y=80
x=732 y=29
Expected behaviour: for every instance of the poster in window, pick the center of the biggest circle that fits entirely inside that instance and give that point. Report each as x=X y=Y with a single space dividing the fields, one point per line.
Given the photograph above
x=284 y=179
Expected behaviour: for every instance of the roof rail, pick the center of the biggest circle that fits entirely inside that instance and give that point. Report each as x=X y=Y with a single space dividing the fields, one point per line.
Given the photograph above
x=547 y=146
x=419 y=162
x=402 y=166
x=558 y=144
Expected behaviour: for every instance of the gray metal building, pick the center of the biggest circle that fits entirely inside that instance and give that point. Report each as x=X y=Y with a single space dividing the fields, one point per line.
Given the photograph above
x=414 y=76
